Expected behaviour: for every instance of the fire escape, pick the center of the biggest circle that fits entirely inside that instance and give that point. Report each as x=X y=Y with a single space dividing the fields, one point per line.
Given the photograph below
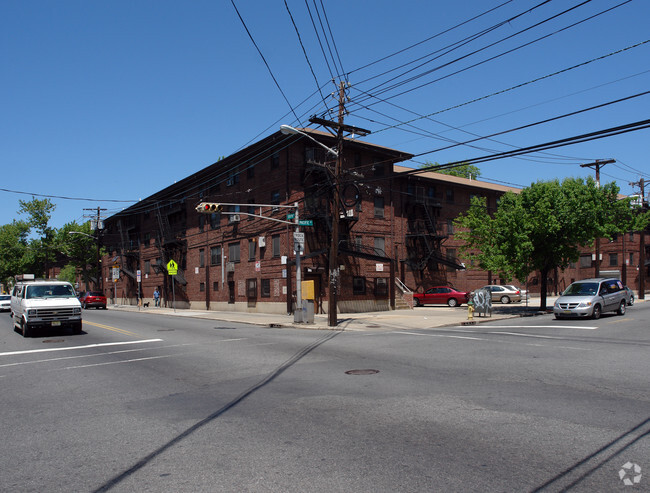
x=424 y=237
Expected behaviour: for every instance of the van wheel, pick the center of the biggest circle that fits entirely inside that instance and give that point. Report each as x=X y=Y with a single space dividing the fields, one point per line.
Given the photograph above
x=621 y=308
x=596 y=313
x=26 y=329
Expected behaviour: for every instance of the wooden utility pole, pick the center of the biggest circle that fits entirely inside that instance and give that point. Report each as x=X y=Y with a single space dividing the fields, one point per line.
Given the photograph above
x=641 y=184
x=334 y=269
x=597 y=164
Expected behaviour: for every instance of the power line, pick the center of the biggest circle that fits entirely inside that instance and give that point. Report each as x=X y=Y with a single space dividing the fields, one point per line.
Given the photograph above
x=263 y=59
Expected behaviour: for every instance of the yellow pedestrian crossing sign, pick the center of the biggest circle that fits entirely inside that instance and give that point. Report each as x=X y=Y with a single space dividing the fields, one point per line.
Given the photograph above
x=172 y=268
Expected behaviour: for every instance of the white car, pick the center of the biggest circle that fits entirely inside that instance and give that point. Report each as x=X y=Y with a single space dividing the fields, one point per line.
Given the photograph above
x=5 y=302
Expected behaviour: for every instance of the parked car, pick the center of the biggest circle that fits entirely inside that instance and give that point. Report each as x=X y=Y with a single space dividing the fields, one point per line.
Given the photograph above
x=5 y=302
x=629 y=294
x=505 y=293
x=441 y=295
x=93 y=299
x=591 y=298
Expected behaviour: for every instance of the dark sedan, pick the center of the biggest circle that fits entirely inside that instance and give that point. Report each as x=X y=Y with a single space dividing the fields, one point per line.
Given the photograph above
x=93 y=299
x=441 y=295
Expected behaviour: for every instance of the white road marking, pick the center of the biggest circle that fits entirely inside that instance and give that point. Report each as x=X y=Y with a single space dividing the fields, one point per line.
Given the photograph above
x=32 y=351
x=441 y=335
x=582 y=327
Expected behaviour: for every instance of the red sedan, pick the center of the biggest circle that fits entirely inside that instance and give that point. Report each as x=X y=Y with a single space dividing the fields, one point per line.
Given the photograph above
x=441 y=295
x=93 y=298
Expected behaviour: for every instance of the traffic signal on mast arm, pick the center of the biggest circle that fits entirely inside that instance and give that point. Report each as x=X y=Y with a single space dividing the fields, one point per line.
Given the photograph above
x=208 y=207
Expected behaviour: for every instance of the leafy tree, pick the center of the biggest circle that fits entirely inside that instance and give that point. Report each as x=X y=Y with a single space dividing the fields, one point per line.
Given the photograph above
x=68 y=273
x=77 y=243
x=462 y=170
x=542 y=228
x=13 y=250
x=39 y=212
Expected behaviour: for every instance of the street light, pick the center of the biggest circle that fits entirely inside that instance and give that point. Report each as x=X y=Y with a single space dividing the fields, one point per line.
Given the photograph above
x=289 y=130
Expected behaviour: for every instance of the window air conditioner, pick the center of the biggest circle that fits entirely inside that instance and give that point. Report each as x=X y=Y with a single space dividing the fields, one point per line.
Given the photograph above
x=261 y=241
x=234 y=218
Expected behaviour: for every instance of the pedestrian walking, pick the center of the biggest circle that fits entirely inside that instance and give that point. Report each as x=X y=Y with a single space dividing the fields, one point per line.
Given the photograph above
x=156 y=297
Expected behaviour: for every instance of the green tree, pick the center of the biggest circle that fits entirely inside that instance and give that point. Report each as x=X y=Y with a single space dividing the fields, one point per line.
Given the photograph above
x=79 y=246
x=462 y=170
x=39 y=212
x=13 y=250
x=542 y=228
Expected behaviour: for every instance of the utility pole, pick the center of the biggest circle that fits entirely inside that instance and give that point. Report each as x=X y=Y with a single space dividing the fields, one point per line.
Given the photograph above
x=596 y=165
x=641 y=184
x=334 y=270
x=97 y=224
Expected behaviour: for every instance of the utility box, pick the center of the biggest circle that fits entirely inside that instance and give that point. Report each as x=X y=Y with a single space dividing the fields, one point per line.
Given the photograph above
x=307 y=288
x=308 y=296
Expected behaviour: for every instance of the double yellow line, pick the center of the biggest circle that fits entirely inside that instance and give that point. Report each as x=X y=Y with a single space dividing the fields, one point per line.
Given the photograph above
x=112 y=329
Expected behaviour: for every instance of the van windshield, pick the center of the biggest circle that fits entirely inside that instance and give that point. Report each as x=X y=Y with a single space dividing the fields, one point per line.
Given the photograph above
x=581 y=289
x=50 y=291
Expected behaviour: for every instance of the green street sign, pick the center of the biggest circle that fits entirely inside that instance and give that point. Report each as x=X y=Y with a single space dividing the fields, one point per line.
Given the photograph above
x=305 y=222
x=290 y=216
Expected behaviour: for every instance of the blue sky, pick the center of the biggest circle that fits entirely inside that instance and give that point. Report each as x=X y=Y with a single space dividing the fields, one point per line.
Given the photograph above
x=112 y=101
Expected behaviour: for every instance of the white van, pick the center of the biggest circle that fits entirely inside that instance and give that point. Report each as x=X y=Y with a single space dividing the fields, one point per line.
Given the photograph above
x=44 y=304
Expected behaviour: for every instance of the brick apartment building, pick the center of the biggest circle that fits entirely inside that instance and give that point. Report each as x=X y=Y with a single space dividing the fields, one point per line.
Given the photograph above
x=395 y=228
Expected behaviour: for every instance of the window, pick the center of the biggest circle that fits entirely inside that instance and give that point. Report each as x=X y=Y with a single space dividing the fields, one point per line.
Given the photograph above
x=251 y=288
x=450 y=226
x=251 y=209
x=147 y=238
x=379 y=206
x=215 y=286
x=215 y=255
x=379 y=168
x=251 y=249
x=266 y=288
x=250 y=171
x=233 y=252
x=451 y=254
x=450 y=195
x=585 y=260
x=613 y=259
x=201 y=257
x=147 y=267
x=358 y=285
x=631 y=258
x=215 y=220
x=201 y=222
x=275 y=199
x=381 y=286
x=275 y=242
x=380 y=246
x=202 y=287
x=275 y=160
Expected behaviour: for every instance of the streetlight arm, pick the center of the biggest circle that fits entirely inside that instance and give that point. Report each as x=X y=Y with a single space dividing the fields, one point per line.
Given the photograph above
x=289 y=130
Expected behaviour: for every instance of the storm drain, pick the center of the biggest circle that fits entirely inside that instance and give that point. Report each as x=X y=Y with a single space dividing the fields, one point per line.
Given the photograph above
x=361 y=372
x=51 y=341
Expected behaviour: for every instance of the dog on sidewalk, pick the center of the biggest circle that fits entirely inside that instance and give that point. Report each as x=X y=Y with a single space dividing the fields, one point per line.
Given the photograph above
x=145 y=304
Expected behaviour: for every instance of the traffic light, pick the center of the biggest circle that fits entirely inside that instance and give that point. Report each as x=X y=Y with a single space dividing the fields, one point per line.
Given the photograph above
x=208 y=207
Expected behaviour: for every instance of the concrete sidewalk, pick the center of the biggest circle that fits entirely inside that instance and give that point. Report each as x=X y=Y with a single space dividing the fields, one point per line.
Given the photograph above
x=418 y=318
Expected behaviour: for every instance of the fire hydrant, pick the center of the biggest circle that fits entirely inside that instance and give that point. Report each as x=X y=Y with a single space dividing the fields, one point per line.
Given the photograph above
x=470 y=311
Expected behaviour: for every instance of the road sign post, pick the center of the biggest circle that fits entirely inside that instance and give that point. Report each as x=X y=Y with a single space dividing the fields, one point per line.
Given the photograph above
x=172 y=270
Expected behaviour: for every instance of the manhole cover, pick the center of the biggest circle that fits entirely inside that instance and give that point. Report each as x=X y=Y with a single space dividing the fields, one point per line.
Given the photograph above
x=46 y=341
x=361 y=372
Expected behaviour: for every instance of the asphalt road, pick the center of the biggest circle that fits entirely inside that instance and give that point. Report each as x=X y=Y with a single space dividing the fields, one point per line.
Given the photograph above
x=162 y=403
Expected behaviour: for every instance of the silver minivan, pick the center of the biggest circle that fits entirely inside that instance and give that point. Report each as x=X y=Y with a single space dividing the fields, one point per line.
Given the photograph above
x=591 y=298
